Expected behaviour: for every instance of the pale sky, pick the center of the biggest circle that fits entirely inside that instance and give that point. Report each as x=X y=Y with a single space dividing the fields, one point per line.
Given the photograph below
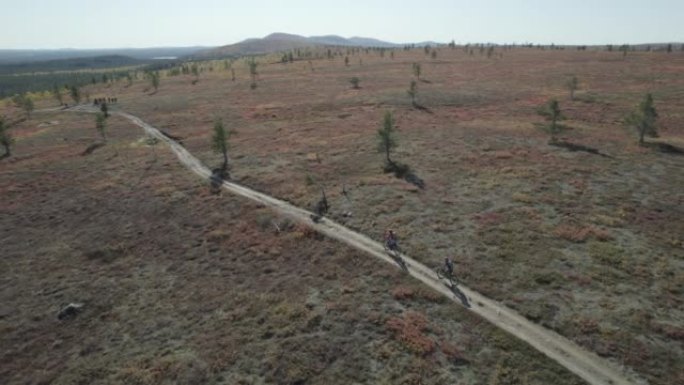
x=30 y=24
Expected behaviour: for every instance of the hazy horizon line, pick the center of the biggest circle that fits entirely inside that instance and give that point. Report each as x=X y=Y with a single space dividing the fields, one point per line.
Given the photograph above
x=385 y=41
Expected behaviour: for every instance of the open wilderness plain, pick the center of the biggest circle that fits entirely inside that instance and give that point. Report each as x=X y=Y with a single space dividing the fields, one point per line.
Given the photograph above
x=182 y=285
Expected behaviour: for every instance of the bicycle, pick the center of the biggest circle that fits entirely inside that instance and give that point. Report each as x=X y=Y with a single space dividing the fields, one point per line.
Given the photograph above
x=443 y=273
x=392 y=248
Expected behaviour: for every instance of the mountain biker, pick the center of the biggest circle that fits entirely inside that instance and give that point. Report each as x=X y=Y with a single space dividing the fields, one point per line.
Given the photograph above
x=321 y=207
x=391 y=239
x=449 y=266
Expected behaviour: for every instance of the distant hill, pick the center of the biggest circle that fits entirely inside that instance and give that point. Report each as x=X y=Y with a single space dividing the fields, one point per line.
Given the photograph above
x=15 y=56
x=76 y=64
x=276 y=42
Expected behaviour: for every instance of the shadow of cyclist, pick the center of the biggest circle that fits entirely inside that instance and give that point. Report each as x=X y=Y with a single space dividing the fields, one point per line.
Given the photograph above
x=398 y=259
x=458 y=293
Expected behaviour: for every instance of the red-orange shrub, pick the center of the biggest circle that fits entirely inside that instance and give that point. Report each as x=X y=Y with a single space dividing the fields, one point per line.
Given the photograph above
x=409 y=330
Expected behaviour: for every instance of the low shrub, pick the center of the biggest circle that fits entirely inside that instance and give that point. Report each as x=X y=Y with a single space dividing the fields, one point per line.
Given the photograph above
x=410 y=331
x=580 y=234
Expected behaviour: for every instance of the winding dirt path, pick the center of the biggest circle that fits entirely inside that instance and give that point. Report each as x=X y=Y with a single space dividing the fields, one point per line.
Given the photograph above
x=585 y=364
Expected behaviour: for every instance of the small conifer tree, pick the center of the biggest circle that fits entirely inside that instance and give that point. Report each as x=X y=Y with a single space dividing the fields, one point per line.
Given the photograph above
x=413 y=92
x=552 y=112
x=6 y=139
x=219 y=142
x=386 y=140
x=101 y=125
x=644 y=118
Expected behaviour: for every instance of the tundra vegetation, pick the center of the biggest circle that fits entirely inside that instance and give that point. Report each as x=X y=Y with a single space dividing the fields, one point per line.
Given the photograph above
x=589 y=246
x=6 y=139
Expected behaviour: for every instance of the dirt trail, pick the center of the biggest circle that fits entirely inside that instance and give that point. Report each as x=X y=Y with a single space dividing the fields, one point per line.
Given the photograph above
x=585 y=364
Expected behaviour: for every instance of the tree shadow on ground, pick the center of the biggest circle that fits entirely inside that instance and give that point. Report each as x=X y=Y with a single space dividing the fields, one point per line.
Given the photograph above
x=422 y=108
x=175 y=138
x=90 y=149
x=218 y=175
x=576 y=147
x=403 y=171
x=665 y=148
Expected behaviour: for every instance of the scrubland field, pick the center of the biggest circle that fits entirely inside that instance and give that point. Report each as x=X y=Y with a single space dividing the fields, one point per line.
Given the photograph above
x=180 y=285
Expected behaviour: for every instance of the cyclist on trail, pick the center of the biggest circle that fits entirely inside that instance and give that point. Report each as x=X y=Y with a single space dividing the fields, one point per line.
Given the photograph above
x=321 y=207
x=449 y=266
x=391 y=239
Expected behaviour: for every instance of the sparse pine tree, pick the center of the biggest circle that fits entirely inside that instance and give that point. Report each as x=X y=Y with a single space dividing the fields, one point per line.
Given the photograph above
x=669 y=48
x=416 y=70
x=644 y=118
x=18 y=100
x=104 y=109
x=413 y=92
x=6 y=139
x=624 y=49
x=219 y=142
x=232 y=74
x=354 y=82
x=100 y=125
x=154 y=79
x=75 y=94
x=28 y=106
x=433 y=54
x=175 y=71
x=346 y=61
x=386 y=140
x=57 y=94
x=253 y=72
x=572 y=85
x=552 y=112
